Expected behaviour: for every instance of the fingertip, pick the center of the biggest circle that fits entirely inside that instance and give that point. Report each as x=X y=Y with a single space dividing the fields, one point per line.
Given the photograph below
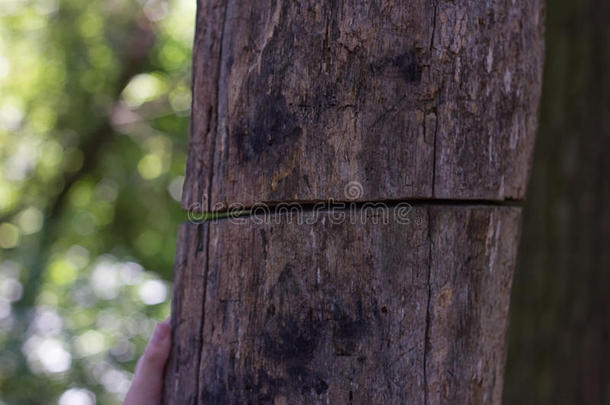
x=148 y=378
x=162 y=332
x=158 y=349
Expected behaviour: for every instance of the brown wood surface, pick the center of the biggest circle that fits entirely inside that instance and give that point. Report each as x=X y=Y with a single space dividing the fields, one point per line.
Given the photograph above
x=419 y=99
x=341 y=312
x=428 y=101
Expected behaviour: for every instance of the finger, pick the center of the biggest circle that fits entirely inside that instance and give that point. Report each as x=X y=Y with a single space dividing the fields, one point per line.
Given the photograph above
x=152 y=363
x=147 y=385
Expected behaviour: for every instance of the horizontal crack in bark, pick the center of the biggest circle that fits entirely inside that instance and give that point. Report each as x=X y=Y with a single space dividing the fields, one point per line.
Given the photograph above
x=277 y=207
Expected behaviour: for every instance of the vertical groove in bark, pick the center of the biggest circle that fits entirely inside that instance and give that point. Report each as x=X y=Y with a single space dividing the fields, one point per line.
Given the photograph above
x=204 y=235
x=220 y=102
x=206 y=57
x=187 y=316
x=436 y=111
x=427 y=327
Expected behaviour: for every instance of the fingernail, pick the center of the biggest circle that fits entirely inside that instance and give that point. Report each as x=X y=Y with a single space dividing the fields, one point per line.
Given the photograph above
x=161 y=332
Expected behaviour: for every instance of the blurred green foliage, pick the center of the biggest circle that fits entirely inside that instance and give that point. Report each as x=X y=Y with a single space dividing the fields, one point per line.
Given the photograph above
x=94 y=105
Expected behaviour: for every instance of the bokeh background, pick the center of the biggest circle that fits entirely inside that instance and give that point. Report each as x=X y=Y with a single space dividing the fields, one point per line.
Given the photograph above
x=559 y=347
x=94 y=105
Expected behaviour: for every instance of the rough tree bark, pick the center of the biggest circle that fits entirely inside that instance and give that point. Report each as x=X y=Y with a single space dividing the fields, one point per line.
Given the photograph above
x=430 y=103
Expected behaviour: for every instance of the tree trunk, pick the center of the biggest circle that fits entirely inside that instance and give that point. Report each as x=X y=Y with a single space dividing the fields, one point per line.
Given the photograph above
x=414 y=122
x=560 y=324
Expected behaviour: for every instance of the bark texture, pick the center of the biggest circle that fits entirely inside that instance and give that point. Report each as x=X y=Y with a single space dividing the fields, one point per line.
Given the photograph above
x=560 y=325
x=359 y=101
x=333 y=311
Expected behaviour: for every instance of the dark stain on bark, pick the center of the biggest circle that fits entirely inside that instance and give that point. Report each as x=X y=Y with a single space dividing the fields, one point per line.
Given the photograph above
x=288 y=338
x=404 y=66
x=272 y=125
x=348 y=330
x=289 y=335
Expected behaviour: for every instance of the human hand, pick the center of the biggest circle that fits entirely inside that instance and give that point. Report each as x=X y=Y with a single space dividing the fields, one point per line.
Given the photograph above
x=147 y=385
